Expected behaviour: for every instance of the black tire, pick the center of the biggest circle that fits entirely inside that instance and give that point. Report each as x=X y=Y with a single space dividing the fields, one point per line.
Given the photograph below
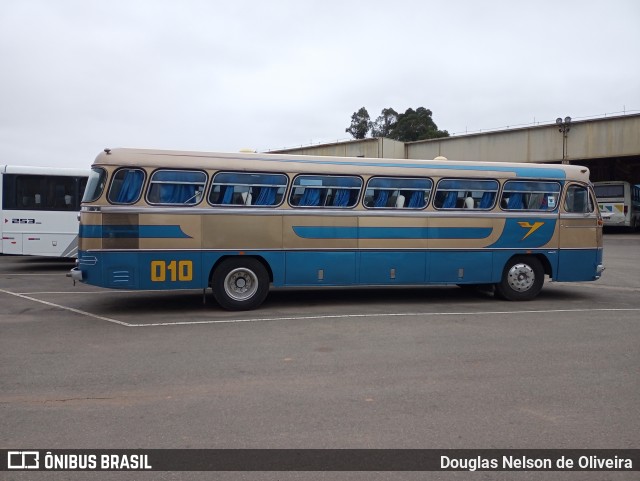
x=240 y=284
x=522 y=279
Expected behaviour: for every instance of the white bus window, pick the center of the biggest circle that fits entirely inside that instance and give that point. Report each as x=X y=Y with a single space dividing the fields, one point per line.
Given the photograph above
x=40 y=192
x=397 y=193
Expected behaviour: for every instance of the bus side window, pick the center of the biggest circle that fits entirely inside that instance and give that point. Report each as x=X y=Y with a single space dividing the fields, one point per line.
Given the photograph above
x=329 y=191
x=247 y=189
x=176 y=187
x=397 y=193
x=578 y=200
x=530 y=195
x=126 y=186
x=466 y=194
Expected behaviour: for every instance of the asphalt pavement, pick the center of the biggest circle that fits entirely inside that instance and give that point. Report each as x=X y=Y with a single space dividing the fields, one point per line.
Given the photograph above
x=434 y=367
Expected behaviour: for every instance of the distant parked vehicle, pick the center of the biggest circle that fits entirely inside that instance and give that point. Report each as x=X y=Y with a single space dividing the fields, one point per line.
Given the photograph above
x=619 y=203
x=39 y=209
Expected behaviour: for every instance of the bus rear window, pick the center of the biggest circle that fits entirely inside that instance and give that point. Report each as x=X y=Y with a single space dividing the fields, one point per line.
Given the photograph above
x=95 y=185
x=607 y=191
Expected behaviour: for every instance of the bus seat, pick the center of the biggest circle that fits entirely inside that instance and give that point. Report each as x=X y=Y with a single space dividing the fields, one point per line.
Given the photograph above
x=400 y=201
x=469 y=203
x=246 y=198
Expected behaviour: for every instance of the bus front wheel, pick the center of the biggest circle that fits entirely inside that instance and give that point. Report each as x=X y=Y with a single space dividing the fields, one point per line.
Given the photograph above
x=240 y=284
x=522 y=279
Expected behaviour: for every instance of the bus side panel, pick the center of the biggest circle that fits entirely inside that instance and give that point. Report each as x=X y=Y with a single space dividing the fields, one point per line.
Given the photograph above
x=154 y=270
x=615 y=213
x=327 y=268
x=390 y=268
x=119 y=269
x=170 y=270
x=274 y=261
x=579 y=265
x=461 y=267
x=580 y=255
x=58 y=245
x=11 y=243
x=238 y=231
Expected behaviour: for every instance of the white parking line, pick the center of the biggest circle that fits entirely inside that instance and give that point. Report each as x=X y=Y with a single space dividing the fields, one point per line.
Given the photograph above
x=390 y=314
x=329 y=316
x=77 y=311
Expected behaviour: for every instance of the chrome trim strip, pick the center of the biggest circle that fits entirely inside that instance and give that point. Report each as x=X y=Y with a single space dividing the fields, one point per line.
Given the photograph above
x=425 y=213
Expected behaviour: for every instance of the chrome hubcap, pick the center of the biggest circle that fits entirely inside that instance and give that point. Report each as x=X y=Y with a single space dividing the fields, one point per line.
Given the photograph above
x=521 y=277
x=240 y=284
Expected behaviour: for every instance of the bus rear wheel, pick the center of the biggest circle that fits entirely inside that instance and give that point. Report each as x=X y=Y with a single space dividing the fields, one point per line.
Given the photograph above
x=240 y=284
x=522 y=279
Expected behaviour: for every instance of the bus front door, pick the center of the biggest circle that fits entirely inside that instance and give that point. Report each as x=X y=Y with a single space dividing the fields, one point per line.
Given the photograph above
x=580 y=253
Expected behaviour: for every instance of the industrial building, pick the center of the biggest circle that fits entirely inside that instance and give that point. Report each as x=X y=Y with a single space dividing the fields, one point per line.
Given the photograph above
x=609 y=146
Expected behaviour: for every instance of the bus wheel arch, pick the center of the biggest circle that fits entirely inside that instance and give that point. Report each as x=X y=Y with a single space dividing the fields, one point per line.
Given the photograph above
x=522 y=278
x=240 y=283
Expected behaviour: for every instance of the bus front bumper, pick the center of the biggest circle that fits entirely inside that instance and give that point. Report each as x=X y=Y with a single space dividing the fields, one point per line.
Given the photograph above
x=75 y=274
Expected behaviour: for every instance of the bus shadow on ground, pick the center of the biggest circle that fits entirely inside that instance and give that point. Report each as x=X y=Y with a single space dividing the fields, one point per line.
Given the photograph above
x=300 y=302
x=35 y=265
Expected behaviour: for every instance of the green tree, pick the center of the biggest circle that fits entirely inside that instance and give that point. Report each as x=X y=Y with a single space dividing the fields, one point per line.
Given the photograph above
x=360 y=124
x=385 y=123
x=416 y=125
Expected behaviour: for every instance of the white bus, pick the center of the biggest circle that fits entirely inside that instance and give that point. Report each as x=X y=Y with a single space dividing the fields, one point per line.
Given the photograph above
x=39 y=207
x=619 y=203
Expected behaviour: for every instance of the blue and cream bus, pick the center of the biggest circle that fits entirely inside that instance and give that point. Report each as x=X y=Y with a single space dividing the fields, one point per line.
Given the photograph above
x=242 y=223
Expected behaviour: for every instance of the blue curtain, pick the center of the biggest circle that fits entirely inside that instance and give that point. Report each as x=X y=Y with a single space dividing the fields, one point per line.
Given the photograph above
x=131 y=186
x=515 y=201
x=417 y=199
x=381 y=199
x=341 y=199
x=311 y=197
x=487 y=200
x=450 y=200
x=267 y=196
x=177 y=193
x=226 y=194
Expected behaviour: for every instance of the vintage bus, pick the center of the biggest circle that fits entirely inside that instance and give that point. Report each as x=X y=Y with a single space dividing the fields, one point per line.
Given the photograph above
x=39 y=210
x=619 y=203
x=241 y=223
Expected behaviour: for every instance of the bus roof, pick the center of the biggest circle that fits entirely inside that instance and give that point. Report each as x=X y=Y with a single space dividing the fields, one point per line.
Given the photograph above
x=327 y=165
x=32 y=170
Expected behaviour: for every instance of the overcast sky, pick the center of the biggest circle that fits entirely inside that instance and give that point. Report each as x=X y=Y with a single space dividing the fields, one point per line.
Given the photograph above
x=78 y=76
